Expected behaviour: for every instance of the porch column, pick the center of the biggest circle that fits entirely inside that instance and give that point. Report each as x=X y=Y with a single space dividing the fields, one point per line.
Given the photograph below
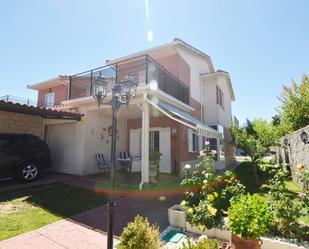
x=145 y=142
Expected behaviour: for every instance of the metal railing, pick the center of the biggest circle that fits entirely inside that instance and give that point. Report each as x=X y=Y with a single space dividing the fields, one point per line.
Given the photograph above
x=143 y=69
x=18 y=100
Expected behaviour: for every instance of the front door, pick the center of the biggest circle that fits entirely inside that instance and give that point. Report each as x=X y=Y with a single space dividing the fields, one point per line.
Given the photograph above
x=160 y=139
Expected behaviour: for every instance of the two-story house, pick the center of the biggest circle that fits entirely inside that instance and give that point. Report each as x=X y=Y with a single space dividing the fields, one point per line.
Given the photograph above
x=191 y=104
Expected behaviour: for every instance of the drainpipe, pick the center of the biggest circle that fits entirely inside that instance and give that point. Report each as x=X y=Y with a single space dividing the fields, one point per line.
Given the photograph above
x=145 y=142
x=142 y=170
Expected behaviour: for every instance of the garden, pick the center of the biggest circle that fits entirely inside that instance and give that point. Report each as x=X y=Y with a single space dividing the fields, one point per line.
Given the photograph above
x=230 y=211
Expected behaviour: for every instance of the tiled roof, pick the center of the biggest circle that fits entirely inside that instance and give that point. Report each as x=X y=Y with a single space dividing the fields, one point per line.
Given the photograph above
x=38 y=111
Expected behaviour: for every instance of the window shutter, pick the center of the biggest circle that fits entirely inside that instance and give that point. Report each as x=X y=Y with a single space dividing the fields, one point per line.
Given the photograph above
x=190 y=142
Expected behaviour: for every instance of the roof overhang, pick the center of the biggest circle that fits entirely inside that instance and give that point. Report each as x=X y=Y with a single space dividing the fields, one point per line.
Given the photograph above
x=175 y=43
x=60 y=80
x=38 y=111
x=225 y=75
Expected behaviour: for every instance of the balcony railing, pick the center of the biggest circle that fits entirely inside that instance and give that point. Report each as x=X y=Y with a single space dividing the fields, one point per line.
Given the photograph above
x=144 y=69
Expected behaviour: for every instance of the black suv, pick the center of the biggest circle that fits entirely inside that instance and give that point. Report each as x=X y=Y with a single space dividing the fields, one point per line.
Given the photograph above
x=23 y=156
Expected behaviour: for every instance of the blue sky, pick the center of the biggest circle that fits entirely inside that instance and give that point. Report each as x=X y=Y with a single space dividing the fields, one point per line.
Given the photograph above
x=262 y=43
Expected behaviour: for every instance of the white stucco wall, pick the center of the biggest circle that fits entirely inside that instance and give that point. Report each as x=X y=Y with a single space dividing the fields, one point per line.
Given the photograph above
x=198 y=65
x=225 y=115
x=209 y=102
x=214 y=113
x=99 y=141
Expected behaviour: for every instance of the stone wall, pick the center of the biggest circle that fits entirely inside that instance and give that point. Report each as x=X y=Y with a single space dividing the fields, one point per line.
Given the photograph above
x=11 y=122
x=295 y=153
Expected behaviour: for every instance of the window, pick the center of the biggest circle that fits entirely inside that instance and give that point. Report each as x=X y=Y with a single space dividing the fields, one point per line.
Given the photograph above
x=194 y=141
x=154 y=140
x=220 y=97
x=49 y=100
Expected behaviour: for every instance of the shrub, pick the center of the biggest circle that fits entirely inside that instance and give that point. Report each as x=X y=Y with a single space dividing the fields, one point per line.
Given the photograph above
x=139 y=234
x=207 y=193
x=249 y=217
x=286 y=207
x=202 y=244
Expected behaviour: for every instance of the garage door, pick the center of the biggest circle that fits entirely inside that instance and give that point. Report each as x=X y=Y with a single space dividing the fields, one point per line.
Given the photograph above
x=61 y=142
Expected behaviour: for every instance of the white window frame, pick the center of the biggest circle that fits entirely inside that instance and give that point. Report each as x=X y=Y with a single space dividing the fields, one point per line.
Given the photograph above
x=47 y=102
x=193 y=137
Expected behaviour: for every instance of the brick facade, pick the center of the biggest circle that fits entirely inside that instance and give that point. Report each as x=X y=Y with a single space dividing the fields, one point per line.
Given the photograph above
x=61 y=93
x=179 y=140
x=11 y=122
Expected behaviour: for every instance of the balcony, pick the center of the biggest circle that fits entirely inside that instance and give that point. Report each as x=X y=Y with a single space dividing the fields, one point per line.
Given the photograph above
x=144 y=69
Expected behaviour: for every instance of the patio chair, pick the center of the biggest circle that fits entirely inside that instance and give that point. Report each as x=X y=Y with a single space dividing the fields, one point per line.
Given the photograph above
x=102 y=162
x=125 y=160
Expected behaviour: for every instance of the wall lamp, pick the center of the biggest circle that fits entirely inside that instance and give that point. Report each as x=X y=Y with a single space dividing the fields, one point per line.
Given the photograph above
x=304 y=137
x=286 y=142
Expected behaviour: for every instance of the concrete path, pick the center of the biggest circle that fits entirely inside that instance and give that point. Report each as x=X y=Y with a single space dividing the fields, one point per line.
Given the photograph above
x=59 y=235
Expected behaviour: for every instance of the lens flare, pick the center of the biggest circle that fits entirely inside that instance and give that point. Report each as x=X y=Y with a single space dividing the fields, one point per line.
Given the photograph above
x=149 y=36
x=153 y=84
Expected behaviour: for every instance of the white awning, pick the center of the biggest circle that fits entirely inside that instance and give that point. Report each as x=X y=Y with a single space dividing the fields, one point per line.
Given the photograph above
x=171 y=111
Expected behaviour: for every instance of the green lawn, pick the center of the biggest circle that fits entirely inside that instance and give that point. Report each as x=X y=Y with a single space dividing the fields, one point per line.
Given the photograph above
x=245 y=175
x=160 y=187
x=23 y=210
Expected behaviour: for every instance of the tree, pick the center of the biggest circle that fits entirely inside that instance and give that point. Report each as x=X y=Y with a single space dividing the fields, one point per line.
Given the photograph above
x=254 y=138
x=294 y=108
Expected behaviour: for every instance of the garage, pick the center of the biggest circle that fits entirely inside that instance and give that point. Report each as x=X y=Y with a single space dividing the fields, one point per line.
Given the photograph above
x=61 y=143
x=60 y=134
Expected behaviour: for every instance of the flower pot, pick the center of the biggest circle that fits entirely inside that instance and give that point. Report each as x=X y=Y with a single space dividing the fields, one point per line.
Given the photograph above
x=194 y=229
x=177 y=216
x=242 y=243
x=153 y=173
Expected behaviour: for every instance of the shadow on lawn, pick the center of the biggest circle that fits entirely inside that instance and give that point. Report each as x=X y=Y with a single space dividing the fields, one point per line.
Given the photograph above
x=57 y=198
x=244 y=173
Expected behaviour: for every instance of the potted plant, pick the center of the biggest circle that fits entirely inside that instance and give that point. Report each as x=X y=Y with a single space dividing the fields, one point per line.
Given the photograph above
x=248 y=218
x=154 y=163
x=207 y=193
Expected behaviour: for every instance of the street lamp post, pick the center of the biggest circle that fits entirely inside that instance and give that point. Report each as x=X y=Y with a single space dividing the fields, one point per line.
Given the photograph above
x=122 y=92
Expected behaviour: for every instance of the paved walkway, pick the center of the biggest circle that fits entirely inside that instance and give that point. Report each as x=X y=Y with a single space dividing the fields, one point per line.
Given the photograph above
x=59 y=235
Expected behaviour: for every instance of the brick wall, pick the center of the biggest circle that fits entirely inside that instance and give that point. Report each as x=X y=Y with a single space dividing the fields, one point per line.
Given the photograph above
x=179 y=140
x=176 y=65
x=61 y=93
x=11 y=122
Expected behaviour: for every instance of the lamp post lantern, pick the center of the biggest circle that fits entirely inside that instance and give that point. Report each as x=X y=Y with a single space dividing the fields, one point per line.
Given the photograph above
x=122 y=92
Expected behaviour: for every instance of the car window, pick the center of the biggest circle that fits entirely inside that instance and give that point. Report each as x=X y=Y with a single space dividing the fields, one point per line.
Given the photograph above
x=5 y=142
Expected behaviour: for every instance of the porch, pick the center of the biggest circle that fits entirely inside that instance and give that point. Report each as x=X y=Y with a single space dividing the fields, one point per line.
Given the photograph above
x=130 y=179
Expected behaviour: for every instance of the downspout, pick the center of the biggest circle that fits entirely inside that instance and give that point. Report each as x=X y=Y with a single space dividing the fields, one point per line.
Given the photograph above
x=142 y=170
x=143 y=141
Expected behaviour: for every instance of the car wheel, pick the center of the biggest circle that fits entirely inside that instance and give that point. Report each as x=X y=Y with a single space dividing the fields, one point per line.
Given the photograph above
x=29 y=172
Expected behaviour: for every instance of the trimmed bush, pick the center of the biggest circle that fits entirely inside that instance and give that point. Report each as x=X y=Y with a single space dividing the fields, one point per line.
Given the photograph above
x=139 y=234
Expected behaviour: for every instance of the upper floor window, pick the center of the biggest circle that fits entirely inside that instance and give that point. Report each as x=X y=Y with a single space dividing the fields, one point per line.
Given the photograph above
x=49 y=100
x=220 y=97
